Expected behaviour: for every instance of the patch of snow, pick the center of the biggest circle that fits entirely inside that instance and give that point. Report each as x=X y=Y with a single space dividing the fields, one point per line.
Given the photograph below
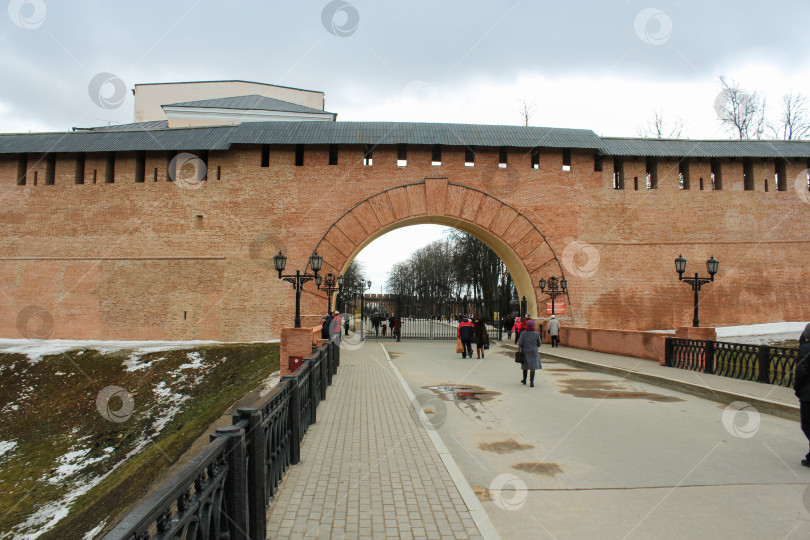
x=36 y=349
x=269 y=383
x=196 y=361
x=133 y=362
x=168 y=400
x=91 y=534
x=6 y=447
x=72 y=463
x=51 y=513
x=794 y=328
x=48 y=515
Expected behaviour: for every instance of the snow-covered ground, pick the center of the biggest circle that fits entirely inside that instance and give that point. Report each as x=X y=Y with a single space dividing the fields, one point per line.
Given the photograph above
x=758 y=334
x=36 y=349
x=69 y=468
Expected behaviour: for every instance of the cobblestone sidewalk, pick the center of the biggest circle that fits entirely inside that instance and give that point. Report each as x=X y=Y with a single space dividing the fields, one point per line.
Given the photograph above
x=368 y=467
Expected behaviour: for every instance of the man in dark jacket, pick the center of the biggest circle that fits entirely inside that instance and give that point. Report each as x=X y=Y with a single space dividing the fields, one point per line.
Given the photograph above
x=327 y=322
x=802 y=385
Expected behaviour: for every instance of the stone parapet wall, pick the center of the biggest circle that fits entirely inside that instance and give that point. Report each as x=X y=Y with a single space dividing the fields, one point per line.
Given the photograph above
x=167 y=260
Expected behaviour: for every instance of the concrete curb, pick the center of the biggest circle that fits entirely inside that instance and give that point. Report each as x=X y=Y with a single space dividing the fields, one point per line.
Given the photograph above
x=477 y=512
x=767 y=406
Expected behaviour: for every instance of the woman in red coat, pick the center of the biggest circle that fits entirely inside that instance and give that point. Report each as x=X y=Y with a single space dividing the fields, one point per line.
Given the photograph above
x=465 y=332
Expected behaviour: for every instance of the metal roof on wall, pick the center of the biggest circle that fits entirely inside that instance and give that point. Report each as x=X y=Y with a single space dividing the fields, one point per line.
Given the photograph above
x=218 y=138
x=697 y=148
x=156 y=136
x=374 y=133
x=250 y=102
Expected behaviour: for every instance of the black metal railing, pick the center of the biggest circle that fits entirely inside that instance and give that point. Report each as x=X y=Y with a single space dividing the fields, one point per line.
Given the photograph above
x=226 y=489
x=761 y=363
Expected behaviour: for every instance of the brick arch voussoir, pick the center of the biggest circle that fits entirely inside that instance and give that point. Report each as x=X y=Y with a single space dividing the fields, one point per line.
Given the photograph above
x=448 y=204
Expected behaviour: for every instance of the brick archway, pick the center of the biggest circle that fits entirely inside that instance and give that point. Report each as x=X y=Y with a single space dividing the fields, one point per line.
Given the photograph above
x=517 y=241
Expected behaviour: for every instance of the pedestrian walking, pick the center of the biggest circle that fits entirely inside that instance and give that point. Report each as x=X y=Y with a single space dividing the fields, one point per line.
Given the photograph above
x=529 y=343
x=481 y=336
x=465 y=332
x=326 y=325
x=346 y=324
x=801 y=385
x=334 y=327
x=518 y=327
x=554 y=331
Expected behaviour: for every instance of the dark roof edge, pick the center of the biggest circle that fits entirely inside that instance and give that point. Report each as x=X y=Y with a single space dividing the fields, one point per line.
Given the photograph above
x=103 y=129
x=235 y=80
x=653 y=140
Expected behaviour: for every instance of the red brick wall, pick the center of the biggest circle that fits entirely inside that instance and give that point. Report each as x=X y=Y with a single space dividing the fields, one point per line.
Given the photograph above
x=647 y=345
x=126 y=260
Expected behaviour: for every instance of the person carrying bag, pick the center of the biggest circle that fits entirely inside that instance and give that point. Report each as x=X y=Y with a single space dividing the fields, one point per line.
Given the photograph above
x=481 y=337
x=465 y=336
x=801 y=386
x=529 y=347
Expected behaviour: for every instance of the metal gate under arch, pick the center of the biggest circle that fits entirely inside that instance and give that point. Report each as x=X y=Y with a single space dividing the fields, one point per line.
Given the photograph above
x=427 y=316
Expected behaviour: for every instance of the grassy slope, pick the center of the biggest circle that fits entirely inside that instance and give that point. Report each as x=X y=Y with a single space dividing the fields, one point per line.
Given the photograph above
x=59 y=414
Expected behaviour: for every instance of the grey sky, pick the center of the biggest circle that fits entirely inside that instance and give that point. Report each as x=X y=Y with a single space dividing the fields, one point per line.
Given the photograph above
x=602 y=65
x=581 y=64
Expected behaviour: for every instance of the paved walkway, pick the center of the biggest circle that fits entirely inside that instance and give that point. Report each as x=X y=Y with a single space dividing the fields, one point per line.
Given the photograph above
x=586 y=454
x=369 y=468
x=767 y=398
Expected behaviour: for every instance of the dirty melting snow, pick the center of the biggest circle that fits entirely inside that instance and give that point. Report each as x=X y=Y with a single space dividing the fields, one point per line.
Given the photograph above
x=47 y=516
x=169 y=403
x=72 y=463
x=269 y=383
x=89 y=535
x=36 y=349
x=69 y=466
x=6 y=447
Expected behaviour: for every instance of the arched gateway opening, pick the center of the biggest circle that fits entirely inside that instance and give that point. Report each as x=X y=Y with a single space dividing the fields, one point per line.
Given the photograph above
x=520 y=245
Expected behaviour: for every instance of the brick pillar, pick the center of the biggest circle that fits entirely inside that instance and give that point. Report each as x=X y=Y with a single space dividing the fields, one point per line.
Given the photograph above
x=297 y=342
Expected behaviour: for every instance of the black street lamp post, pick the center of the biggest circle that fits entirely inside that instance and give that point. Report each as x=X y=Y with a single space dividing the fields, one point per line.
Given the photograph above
x=298 y=279
x=555 y=289
x=696 y=282
x=362 y=307
x=330 y=285
x=396 y=323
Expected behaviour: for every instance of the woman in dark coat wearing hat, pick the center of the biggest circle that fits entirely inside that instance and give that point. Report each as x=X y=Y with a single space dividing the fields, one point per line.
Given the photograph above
x=529 y=343
x=802 y=385
x=481 y=336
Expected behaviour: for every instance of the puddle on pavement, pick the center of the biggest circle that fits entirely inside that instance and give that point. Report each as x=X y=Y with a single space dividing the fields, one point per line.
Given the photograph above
x=504 y=447
x=546 y=468
x=482 y=492
x=459 y=392
x=609 y=389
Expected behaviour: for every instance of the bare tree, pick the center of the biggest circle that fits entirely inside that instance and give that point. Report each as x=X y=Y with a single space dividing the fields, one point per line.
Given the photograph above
x=793 y=121
x=525 y=111
x=741 y=113
x=658 y=128
x=353 y=278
